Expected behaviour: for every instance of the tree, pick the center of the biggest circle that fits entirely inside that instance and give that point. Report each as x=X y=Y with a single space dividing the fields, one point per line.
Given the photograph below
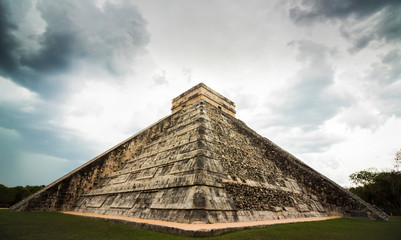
x=397 y=160
x=364 y=177
x=10 y=196
x=382 y=189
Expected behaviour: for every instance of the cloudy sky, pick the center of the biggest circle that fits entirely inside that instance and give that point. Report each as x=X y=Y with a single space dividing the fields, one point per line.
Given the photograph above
x=322 y=79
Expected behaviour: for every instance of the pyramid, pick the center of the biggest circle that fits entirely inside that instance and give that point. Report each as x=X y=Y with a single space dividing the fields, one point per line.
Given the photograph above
x=199 y=165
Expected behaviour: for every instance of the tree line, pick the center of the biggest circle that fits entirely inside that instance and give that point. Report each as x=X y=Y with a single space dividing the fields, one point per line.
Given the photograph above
x=11 y=195
x=380 y=188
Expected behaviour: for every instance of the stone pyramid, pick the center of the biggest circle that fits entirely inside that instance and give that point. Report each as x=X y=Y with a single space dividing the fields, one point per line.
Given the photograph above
x=199 y=165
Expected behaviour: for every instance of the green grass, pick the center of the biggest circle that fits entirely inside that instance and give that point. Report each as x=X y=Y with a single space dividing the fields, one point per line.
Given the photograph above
x=28 y=225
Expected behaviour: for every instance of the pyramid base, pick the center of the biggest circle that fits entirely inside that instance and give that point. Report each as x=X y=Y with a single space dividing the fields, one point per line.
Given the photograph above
x=190 y=216
x=195 y=229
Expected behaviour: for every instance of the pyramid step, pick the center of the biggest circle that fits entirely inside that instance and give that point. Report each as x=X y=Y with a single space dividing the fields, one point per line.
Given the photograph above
x=199 y=164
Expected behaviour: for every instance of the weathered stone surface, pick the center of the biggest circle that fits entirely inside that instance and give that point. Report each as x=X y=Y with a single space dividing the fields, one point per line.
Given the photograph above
x=203 y=92
x=199 y=164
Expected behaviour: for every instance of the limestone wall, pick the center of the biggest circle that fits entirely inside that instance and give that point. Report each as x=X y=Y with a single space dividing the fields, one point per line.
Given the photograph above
x=199 y=164
x=204 y=93
x=173 y=177
x=63 y=193
x=263 y=171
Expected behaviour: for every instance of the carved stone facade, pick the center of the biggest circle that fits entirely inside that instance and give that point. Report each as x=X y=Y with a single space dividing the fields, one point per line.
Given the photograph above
x=199 y=164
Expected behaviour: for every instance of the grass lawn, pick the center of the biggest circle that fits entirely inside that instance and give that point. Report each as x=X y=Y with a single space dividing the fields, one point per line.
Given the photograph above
x=28 y=225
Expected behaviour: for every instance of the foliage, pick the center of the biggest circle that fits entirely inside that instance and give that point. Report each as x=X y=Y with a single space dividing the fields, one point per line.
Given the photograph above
x=45 y=225
x=364 y=177
x=10 y=196
x=382 y=189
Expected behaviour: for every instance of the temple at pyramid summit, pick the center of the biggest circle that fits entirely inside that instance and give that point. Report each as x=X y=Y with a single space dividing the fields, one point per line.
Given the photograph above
x=199 y=165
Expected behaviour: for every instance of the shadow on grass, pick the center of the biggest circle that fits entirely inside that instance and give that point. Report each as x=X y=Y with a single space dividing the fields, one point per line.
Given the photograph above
x=39 y=225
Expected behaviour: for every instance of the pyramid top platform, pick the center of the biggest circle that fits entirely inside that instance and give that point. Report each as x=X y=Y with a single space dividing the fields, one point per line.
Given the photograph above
x=201 y=91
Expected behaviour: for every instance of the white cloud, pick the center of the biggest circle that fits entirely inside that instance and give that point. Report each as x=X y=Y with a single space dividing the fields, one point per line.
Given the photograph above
x=364 y=148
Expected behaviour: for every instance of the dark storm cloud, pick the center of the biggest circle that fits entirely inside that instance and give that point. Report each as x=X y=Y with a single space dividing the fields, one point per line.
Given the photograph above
x=382 y=18
x=30 y=68
x=316 y=10
x=8 y=44
x=75 y=32
x=43 y=45
x=56 y=54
